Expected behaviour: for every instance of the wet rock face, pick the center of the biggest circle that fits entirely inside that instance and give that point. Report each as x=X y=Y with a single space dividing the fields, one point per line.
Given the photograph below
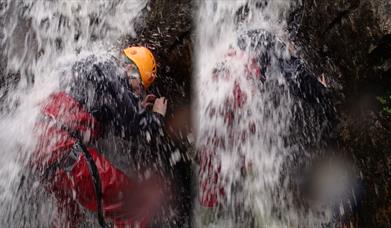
x=350 y=40
x=167 y=31
x=352 y=34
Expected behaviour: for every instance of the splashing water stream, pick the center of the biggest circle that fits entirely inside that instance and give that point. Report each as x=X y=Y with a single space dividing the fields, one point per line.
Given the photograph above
x=244 y=121
x=41 y=40
x=243 y=113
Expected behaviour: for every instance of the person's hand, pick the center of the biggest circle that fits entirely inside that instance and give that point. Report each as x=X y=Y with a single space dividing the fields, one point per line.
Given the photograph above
x=322 y=80
x=160 y=106
x=148 y=101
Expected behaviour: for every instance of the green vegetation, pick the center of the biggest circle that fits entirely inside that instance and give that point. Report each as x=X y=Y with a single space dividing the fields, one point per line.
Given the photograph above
x=385 y=102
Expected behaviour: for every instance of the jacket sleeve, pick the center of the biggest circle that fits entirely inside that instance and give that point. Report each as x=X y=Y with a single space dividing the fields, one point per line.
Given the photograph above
x=303 y=83
x=120 y=108
x=148 y=121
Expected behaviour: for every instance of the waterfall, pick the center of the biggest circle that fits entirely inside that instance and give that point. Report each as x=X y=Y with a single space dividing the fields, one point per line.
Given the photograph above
x=245 y=115
x=40 y=41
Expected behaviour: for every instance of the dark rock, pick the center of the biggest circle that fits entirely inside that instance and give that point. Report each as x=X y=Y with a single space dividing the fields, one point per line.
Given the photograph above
x=350 y=41
x=166 y=30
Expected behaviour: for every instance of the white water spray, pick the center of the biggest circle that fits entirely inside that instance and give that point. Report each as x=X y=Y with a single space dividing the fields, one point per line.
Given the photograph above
x=245 y=143
x=40 y=41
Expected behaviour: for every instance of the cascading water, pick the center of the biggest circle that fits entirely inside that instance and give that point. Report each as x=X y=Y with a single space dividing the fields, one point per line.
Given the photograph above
x=244 y=113
x=244 y=119
x=40 y=41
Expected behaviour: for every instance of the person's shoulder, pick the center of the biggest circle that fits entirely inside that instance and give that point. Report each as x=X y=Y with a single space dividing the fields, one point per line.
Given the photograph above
x=97 y=67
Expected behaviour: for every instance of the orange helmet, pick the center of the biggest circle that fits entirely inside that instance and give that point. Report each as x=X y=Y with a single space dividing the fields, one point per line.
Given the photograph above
x=145 y=62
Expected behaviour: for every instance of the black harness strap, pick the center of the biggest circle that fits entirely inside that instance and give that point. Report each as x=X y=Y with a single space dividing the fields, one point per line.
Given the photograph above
x=97 y=183
x=93 y=169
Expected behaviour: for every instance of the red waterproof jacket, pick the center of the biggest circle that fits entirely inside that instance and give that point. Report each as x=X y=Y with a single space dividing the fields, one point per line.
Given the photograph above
x=266 y=52
x=212 y=191
x=95 y=101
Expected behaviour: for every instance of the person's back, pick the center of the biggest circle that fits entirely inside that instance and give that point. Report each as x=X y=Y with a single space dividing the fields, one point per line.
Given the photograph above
x=256 y=64
x=75 y=157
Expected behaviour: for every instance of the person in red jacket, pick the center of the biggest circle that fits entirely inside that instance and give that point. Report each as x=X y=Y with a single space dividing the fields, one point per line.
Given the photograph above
x=212 y=189
x=85 y=156
x=232 y=110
